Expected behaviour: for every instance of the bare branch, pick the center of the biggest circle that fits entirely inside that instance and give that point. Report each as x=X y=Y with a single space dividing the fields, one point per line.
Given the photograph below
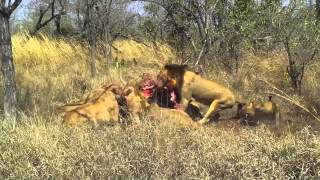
x=14 y=6
x=151 y=1
x=40 y=23
x=7 y=11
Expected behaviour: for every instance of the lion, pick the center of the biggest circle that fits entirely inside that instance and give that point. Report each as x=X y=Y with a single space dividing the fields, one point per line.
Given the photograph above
x=105 y=105
x=138 y=104
x=254 y=114
x=96 y=93
x=147 y=89
x=165 y=97
x=170 y=116
x=100 y=107
x=135 y=104
x=188 y=85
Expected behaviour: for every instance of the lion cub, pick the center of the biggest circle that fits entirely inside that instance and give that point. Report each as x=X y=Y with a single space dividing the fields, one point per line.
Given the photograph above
x=254 y=114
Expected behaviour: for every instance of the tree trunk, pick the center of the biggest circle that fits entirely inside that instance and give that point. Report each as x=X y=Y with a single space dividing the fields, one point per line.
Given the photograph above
x=91 y=35
x=57 y=22
x=92 y=42
x=107 y=35
x=295 y=71
x=318 y=8
x=296 y=76
x=8 y=71
x=108 y=46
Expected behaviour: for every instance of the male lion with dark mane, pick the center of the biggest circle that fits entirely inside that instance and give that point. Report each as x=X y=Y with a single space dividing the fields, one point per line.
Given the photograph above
x=188 y=85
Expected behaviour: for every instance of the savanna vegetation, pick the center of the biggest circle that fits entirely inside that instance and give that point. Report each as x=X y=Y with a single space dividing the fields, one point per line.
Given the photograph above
x=62 y=49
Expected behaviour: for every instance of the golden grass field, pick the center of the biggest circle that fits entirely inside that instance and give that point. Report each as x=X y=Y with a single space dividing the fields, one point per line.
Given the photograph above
x=51 y=72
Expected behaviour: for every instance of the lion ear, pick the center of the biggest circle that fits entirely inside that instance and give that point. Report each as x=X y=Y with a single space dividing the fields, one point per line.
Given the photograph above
x=167 y=66
x=145 y=75
x=127 y=91
x=184 y=66
x=241 y=105
x=115 y=90
x=173 y=82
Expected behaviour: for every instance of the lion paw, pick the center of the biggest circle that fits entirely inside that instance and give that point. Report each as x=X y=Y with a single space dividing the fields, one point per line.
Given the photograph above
x=203 y=121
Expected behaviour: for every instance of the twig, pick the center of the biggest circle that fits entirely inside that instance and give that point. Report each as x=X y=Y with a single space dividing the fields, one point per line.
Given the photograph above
x=295 y=103
x=289 y=99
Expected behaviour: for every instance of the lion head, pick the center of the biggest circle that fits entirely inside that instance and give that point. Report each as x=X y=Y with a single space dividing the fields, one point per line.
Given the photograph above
x=147 y=85
x=171 y=75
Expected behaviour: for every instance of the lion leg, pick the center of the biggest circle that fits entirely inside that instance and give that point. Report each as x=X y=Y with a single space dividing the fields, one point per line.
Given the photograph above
x=212 y=109
x=185 y=99
x=136 y=119
x=184 y=104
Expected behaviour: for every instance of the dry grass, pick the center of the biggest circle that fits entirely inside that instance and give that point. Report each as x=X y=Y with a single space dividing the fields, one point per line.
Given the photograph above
x=56 y=71
x=39 y=151
x=146 y=53
x=53 y=71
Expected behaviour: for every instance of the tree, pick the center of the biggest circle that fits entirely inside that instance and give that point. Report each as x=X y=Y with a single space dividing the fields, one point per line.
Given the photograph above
x=56 y=9
x=179 y=18
x=103 y=21
x=299 y=32
x=8 y=70
x=92 y=33
x=318 y=8
x=104 y=11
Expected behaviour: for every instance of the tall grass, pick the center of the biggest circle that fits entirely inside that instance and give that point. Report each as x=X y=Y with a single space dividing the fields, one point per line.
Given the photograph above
x=41 y=151
x=51 y=72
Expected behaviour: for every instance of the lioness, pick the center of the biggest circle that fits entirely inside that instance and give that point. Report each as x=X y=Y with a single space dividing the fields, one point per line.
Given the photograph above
x=147 y=89
x=170 y=116
x=187 y=85
x=135 y=103
x=95 y=94
x=103 y=109
x=266 y=112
